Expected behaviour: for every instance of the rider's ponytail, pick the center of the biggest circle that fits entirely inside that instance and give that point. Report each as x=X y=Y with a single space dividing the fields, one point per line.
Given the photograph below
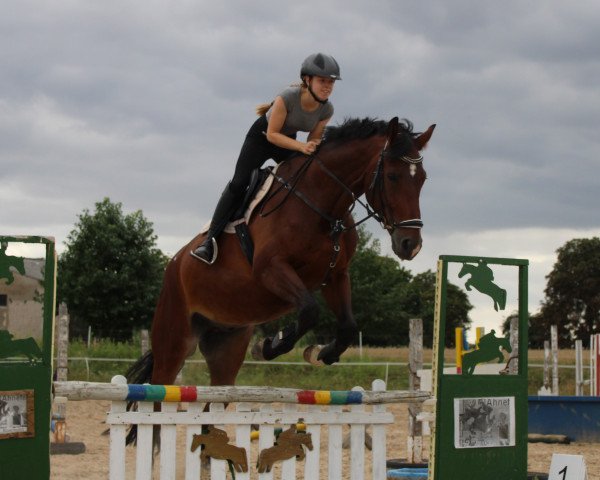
x=263 y=108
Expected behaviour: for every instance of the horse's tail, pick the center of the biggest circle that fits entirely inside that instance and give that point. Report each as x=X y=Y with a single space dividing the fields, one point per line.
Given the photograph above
x=140 y=372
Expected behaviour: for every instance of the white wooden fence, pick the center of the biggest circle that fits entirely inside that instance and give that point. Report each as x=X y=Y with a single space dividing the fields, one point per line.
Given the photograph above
x=325 y=423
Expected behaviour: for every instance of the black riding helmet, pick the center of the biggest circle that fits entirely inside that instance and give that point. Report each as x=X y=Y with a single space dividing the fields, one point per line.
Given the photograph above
x=321 y=65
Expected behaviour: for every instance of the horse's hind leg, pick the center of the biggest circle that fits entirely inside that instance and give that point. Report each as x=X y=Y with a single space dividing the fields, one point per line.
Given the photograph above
x=223 y=347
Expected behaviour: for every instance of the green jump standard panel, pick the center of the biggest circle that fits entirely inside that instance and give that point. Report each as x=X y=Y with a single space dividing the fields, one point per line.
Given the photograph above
x=27 y=303
x=481 y=413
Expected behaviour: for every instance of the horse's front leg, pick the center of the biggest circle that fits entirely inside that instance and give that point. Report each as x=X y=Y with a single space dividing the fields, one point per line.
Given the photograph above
x=282 y=280
x=338 y=297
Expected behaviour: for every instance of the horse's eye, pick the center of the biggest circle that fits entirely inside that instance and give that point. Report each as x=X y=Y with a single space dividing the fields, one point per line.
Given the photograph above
x=393 y=177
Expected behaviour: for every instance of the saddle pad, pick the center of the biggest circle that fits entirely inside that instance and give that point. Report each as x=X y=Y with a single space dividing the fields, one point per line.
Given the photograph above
x=264 y=189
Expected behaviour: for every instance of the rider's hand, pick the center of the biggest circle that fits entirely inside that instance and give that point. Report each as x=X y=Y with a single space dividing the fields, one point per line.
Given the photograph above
x=309 y=147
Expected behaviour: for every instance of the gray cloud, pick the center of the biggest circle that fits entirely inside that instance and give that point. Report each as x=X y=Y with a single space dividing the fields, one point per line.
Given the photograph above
x=148 y=104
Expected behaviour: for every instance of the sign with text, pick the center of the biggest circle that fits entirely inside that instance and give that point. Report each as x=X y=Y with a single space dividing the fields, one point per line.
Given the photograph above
x=484 y=422
x=567 y=467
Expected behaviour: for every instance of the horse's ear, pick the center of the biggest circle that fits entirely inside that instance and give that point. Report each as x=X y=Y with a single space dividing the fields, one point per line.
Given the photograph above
x=392 y=129
x=422 y=140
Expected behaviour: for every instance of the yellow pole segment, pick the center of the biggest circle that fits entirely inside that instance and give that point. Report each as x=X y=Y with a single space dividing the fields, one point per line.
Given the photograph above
x=459 y=348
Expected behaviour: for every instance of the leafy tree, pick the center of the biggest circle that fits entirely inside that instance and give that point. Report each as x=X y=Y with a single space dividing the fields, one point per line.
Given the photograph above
x=421 y=302
x=572 y=294
x=111 y=272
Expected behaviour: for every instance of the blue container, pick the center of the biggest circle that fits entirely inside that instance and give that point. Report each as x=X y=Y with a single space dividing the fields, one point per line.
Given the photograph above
x=576 y=417
x=407 y=473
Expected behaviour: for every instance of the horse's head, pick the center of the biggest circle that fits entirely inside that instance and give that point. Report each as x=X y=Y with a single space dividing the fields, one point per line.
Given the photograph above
x=196 y=441
x=396 y=186
x=306 y=439
x=464 y=270
x=505 y=344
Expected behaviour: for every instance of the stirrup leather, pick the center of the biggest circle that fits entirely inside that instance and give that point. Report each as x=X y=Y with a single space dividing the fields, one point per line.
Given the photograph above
x=215 y=250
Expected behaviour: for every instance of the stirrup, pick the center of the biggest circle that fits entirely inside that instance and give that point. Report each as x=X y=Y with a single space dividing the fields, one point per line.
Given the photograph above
x=215 y=250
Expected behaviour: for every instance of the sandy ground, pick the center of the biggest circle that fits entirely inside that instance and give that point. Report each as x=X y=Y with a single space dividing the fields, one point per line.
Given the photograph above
x=86 y=424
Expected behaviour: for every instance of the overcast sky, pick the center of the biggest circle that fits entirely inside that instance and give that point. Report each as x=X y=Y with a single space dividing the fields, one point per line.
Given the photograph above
x=147 y=103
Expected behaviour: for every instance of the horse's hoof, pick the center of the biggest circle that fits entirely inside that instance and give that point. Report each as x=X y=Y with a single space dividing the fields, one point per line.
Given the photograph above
x=257 y=351
x=327 y=358
x=311 y=354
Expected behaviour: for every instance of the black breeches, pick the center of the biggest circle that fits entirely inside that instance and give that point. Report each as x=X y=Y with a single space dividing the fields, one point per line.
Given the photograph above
x=255 y=151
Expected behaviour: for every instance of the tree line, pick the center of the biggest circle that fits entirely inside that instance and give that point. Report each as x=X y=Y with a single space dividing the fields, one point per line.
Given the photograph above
x=110 y=276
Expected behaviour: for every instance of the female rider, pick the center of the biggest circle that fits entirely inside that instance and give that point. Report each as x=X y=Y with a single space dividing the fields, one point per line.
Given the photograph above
x=303 y=108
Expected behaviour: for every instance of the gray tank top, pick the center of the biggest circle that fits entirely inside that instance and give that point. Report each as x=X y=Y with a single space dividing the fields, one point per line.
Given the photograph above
x=297 y=119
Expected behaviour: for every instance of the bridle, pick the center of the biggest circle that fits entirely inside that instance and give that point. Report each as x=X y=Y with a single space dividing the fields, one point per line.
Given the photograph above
x=377 y=186
x=337 y=225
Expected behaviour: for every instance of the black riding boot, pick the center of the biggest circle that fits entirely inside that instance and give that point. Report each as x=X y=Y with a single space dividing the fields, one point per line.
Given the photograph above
x=208 y=251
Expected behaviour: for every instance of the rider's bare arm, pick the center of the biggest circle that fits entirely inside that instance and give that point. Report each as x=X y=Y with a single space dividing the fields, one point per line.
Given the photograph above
x=274 y=135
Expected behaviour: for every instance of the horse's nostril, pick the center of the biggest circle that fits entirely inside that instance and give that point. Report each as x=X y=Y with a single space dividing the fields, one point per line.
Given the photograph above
x=406 y=244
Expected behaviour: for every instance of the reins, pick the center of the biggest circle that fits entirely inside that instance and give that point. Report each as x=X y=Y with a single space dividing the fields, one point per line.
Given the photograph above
x=337 y=225
x=285 y=184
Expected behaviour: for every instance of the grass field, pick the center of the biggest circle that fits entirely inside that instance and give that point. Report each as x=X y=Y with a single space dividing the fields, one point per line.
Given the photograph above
x=341 y=376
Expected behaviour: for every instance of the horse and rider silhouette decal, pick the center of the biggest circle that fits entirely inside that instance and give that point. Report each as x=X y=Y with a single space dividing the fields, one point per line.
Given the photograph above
x=487 y=350
x=9 y=346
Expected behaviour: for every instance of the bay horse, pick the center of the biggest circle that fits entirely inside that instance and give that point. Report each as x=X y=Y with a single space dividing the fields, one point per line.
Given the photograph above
x=304 y=238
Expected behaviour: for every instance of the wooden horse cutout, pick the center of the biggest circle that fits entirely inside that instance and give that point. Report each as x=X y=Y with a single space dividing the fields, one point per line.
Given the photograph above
x=304 y=237
x=216 y=445
x=289 y=444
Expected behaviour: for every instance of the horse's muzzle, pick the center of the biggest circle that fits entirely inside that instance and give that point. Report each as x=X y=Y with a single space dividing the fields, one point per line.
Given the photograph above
x=406 y=246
